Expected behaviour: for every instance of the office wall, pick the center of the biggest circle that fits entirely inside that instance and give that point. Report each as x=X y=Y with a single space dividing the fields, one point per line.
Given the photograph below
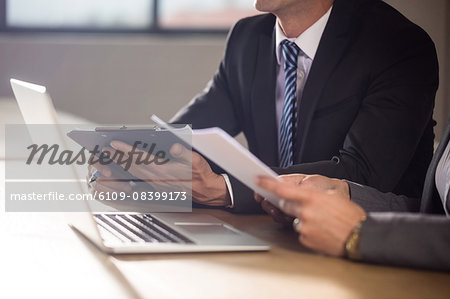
x=124 y=79
x=112 y=79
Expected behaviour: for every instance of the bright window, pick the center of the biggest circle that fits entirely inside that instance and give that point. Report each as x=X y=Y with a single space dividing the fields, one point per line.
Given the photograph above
x=129 y=15
x=79 y=13
x=203 y=14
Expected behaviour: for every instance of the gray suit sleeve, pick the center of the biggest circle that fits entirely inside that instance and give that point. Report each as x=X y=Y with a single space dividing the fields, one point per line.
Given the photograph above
x=372 y=200
x=404 y=239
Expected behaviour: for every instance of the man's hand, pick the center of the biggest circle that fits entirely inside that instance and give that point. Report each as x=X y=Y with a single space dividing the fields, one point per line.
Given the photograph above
x=108 y=181
x=314 y=181
x=327 y=216
x=179 y=174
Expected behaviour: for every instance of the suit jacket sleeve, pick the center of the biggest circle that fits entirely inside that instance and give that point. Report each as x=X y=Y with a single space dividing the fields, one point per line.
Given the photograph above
x=372 y=200
x=394 y=113
x=215 y=107
x=409 y=240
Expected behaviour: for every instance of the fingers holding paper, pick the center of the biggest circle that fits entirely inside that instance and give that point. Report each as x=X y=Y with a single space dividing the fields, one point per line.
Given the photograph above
x=326 y=214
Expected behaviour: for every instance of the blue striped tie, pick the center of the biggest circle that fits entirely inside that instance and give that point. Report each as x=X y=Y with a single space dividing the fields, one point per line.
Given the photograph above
x=289 y=117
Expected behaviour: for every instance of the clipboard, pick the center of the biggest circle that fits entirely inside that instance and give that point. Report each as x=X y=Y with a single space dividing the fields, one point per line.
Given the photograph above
x=230 y=155
x=142 y=137
x=148 y=139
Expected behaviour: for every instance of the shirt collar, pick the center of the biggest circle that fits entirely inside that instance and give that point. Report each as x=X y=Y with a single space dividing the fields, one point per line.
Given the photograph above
x=308 y=41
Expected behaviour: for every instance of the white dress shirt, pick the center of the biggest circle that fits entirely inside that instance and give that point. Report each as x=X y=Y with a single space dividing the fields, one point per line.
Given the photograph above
x=308 y=42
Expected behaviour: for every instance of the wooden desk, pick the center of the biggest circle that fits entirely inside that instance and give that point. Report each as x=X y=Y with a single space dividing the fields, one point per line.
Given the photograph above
x=287 y=271
x=41 y=257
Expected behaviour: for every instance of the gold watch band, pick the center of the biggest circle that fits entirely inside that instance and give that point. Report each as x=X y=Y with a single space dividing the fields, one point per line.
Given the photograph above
x=352 y=243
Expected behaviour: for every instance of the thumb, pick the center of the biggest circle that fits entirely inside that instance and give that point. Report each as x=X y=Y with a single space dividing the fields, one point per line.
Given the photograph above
x=180 y=152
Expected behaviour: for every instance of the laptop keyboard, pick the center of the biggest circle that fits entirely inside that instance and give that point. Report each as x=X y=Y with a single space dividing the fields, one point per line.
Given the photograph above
x=137 y=228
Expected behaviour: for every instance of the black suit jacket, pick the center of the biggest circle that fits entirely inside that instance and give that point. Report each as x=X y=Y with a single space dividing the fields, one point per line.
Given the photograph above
x=372 y=200
x=366 y=109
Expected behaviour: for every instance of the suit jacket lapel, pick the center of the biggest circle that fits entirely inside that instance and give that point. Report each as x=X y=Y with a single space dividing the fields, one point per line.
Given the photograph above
x=332 y=46
x=263 y=98
x=429 y=188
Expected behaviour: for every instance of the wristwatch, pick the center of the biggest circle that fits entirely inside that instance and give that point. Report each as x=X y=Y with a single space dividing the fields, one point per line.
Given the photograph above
x=352 y=243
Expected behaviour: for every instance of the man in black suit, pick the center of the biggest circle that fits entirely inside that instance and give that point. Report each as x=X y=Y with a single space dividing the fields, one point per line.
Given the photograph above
x=361 y=105
x=365 y=111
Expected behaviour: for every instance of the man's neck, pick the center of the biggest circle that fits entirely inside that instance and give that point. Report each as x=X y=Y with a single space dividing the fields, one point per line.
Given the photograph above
x=296 y=20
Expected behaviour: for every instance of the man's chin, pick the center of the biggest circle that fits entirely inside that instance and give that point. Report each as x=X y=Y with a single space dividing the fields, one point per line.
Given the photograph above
x=266 y=9
x=262 y=9
x=263 y=6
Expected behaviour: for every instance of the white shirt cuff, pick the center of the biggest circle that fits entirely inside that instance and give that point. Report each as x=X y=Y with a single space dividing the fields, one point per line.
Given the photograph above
x=230 y=190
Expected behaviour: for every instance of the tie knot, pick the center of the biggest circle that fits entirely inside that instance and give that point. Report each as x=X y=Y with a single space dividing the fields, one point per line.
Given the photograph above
x=290 y=52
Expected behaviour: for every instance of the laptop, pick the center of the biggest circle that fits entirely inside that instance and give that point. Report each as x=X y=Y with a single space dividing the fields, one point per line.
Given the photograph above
x=116 y=232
